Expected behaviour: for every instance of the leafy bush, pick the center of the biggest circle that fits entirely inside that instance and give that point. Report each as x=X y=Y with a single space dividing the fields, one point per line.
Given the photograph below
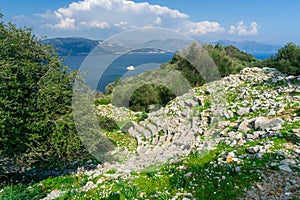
x=141 y=116
x=35 y=99
x=228 y=60
x=108 y=123
x=287 y=60
x=235 y=53
x=103 y=101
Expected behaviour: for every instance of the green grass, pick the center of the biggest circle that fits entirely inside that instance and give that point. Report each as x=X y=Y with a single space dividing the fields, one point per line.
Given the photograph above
x=288 y=128
x=112 y=171
x=161 y=133
x=206 y=105
x=194 y=174
x=122 y=139
x=141 y=116
x=232 y=119
x=40 y=190
x=231 y=97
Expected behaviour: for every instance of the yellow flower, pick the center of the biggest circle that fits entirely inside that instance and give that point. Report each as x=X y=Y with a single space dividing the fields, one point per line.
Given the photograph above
x=229 y=159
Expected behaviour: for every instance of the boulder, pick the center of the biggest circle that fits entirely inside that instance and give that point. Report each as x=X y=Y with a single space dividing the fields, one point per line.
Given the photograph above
x=244 y=126
x=242 y=110
x=285 y=168
x=126 y=127
x=264 y=123
x=253 y=150
x=191 y=103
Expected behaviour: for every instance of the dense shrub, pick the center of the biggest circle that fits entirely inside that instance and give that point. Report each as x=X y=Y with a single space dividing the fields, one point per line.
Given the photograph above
x=107 y=123
x=35 y=99
x=228 y=60
x=287 y=60
x=235 y=53
x=103 y=101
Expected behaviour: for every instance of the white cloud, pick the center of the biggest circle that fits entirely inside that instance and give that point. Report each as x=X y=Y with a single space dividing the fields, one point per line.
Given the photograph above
x=243 y=30
x=158 y=21
x=202 y=28
x=65 y=23
x=95 y=24
x=118 y=15
x=110 y=13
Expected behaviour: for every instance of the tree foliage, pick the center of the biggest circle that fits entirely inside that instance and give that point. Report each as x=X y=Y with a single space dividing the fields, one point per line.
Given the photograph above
x=150 y=94
x=287 y=60
x=228 y=60
x=35 y=99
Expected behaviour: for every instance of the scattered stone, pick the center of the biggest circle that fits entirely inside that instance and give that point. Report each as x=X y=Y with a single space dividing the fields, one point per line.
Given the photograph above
x=264 y=123
x=237 y=169
x=242 y=110
x=189 y=174
x=223 y=124
x=274 y=80
x=259 y=155
x=53 y=195
x=259 y=187
x=171 y=132
x=127 y=126
x=297 y=131
x=253 y=136
x=191 y=103
x=253 y=150
x=88 y=186
x=232 y=134
x=287 y=162
x=228 y=114
x=285 y=168
x=272 y=112
x=244 y=126
x=100 y=181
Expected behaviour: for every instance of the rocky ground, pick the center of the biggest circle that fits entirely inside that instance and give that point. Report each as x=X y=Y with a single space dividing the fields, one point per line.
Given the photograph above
x=259 y=102
x=243 y=112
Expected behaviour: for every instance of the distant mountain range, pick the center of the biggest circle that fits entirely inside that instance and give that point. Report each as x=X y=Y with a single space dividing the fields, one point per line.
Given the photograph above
x=83 y=46
x=72 y=46
x=251 y=47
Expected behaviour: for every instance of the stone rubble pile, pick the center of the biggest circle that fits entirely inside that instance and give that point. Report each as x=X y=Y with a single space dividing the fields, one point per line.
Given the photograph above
x=251 y=105
x=185 y=124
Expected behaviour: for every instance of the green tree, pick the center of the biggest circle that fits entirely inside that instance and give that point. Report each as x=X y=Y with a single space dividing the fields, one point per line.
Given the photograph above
x=287 y=60
x=235 y=53
x=35 y=99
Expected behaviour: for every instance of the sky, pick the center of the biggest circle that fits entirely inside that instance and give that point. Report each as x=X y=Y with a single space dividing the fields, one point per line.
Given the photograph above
x=273 y=22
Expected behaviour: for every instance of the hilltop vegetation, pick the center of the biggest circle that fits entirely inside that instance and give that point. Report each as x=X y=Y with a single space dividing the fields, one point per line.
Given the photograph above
x=229 y=60
x=287 y=60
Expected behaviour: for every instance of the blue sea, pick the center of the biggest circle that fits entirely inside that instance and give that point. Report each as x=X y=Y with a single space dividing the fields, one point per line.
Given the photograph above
x=118 y=68
x=262 y=56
